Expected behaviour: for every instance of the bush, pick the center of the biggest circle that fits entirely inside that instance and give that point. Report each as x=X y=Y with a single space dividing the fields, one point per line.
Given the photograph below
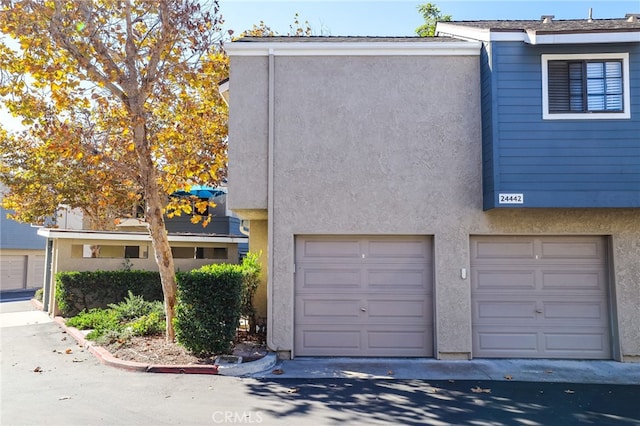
x=39 y=294
x=132 y=317
x=208 y=308
x=78 y=291
x=251 y=279
x=134 y=307
x=98 y=320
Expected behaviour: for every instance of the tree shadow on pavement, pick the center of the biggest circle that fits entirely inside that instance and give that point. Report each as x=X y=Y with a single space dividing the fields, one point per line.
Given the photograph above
x=416 y=402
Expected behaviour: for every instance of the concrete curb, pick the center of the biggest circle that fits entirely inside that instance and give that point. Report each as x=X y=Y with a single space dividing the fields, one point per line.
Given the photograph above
x=247 y=368
x=105 y=358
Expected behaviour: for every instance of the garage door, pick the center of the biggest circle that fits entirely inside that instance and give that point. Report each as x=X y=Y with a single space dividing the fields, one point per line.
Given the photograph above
x=14 y=271
x=363 y=296
x=540 y=297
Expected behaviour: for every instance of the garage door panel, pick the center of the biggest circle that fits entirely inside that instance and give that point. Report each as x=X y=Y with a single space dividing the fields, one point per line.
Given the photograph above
x=586 y=250
x=505 y=342
x=575 y=311
x=403 y=339
x=404 y=251
x=553 y=304
x=327 y=341
x=329 y=279
x=489 y=250
x=504 y=279
x=396 y=278
x=329 y=310
x=378 y=303
x=575 y=343
x=490 y=310
x=574 y=280
x=407 y=311
x=323 y=249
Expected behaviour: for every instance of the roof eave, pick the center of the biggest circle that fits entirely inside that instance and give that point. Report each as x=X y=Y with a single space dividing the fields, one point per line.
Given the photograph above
x=345 y=48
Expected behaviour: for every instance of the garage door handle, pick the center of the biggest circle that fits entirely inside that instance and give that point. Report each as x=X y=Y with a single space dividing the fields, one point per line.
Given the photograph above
x=363 y=309
x=538 y=311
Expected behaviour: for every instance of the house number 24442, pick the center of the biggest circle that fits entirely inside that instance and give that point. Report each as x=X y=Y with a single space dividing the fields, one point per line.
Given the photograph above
x=510 y=198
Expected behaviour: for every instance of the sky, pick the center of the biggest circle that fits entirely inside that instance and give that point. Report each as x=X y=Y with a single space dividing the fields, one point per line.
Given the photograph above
x=400 y=17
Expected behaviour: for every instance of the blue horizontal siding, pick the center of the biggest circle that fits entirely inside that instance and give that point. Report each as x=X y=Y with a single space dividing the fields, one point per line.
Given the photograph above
x=18 y=236
x=555 y=163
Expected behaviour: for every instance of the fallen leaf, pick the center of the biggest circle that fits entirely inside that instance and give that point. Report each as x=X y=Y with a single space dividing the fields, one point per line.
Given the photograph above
x=63 y=339
x=63 y=398
x=390 y=373
x=569 y=391
x=478 y=389
x=278 y=371
x=68 y=351
x=508 y=377
x=293 y=390
x=37 y=370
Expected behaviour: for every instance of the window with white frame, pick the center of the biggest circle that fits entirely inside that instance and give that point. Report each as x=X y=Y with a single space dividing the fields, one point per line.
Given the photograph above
x=585 y=86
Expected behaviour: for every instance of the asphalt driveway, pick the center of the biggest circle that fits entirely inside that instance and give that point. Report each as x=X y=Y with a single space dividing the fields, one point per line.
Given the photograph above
x=47 y=379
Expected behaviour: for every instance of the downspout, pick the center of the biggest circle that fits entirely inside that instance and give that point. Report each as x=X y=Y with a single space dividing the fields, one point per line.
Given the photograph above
x=270 y=203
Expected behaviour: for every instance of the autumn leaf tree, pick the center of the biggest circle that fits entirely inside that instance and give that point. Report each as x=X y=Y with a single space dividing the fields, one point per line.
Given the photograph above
x=120 y=107
x=431 y=15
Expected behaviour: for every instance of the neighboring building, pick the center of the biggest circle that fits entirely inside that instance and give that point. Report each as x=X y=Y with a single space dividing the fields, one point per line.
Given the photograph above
x=84 y=250
x=223 y=221
x=21 y=254
x=390 y=179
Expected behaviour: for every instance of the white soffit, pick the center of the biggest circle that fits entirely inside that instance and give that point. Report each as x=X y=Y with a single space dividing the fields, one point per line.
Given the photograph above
x=345 y=48
x=134 y=236
x=530 y=36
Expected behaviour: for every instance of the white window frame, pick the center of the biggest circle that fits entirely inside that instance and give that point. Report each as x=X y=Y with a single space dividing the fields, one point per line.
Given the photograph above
x=626 y=97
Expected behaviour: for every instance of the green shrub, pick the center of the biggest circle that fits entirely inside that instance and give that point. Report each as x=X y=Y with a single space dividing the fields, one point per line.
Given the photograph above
x=250 y=280
x=208 y=308
x=134 y=307
x=148 y=325
x=132 y=317
x=94 y=319
x=78 y=291
x=39 y=294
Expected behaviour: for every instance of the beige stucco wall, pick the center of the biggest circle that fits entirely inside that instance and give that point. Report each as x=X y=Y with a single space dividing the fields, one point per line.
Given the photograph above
x=392 y=145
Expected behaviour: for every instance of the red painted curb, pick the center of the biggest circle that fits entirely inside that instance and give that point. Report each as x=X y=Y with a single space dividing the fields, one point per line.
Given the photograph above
x=189 y=369
x=105 y=357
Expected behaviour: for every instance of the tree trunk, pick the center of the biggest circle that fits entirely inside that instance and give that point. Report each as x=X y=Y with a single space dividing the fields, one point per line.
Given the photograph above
x=164 y=259
x=154 y=216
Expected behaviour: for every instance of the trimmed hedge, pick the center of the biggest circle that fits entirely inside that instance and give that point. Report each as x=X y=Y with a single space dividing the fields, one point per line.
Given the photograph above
x=208 y=308
x=82 y=291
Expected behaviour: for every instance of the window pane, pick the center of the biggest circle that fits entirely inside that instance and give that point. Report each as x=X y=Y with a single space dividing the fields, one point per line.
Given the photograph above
x=613 y=69
x=614 y=86
x=595 y=103
x=575 y=87
x=595 y=87
x=575 y=71
x=576 y=103
x=614 y=103
x=595 y=70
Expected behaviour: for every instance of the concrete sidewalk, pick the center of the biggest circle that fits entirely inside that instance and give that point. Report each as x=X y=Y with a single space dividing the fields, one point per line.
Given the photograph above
x=522 y=370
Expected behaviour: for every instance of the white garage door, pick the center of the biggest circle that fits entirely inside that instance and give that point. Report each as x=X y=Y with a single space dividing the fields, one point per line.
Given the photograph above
x=540 y=297
x=364 y=296
x=13 y=270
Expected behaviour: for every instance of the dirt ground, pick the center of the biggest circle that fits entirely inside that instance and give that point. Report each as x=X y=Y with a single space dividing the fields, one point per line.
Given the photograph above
x=155 y=350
